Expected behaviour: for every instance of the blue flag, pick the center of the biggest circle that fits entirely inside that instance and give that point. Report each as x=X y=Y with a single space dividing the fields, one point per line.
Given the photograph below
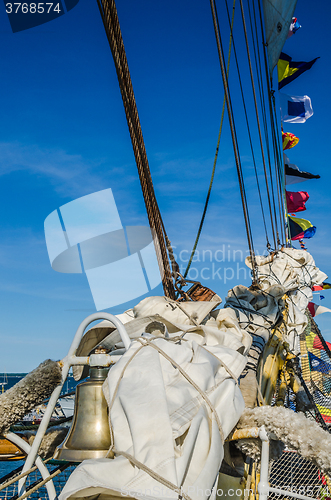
x=295 y=109
x=294 y=26
x=317 y=364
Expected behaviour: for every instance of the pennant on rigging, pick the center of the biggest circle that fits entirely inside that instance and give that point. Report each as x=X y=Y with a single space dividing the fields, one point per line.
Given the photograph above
x=289 y=140
x=318 y=364
x=302 y=245
x=295 y=109
x=296 y=201
x=315 y=310
x=289 y=70
x=301 y=228
x=294 y=26
x=294 y=175
x=323 y=286
x=317 y=344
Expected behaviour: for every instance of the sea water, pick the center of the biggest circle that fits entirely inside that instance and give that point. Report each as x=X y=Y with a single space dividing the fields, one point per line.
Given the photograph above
x=9 y=381
x=8 y=466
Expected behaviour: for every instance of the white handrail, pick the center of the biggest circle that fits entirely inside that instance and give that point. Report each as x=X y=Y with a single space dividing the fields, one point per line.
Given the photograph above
x=263 y=487
x=23 y=445
x=66 y=362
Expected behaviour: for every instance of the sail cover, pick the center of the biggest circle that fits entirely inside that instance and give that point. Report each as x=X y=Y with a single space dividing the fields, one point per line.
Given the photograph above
x=173 y=397
x=172 y=401
x=277 y=20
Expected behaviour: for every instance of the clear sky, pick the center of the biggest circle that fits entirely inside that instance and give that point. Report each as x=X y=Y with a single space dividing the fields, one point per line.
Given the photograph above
x=63 y=135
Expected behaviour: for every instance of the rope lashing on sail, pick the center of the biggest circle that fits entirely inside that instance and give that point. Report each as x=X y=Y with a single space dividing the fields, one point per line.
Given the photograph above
x=162 y=480
x=110 y=20
x=215 y=158
x=203 y=399
x=234 y=141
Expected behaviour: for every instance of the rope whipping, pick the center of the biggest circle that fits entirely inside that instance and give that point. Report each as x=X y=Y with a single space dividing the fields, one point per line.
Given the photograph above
x=234 y=140
x=111 y=24
x=215 y=158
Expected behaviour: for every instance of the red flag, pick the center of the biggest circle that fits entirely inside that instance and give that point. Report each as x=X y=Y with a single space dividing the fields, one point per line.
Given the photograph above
x=296 y=201
x=323 y=286
x=289 y=140
x=317 y=344
x=311 y=308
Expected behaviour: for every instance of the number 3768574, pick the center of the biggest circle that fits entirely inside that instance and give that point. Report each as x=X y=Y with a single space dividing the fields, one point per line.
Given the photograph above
x=32 y=8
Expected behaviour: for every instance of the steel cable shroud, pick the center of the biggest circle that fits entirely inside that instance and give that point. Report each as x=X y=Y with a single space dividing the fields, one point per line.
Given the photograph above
x=110 y=20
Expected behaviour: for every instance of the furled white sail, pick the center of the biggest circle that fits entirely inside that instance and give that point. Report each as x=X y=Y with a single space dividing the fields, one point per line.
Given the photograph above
x=172 y=402
x=173 y=397
x=277 y=19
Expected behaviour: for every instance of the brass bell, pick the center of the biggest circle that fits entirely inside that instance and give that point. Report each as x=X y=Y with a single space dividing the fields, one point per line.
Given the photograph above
x=89 y=435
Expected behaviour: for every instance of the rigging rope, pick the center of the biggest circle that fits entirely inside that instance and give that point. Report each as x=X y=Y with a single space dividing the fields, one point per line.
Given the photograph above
x=271 y=107
x=315 y=329
x=258 y=122
x=249 y=132
x=215 y=158
x=234 y=139
x=112 y=27
x=278 y=172
x=257 y=58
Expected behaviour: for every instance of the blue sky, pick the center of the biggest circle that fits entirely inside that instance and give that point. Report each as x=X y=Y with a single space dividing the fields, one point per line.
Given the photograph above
x=63 y=135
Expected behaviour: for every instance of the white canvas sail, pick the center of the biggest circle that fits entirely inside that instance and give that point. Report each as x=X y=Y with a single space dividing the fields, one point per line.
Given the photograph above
x=277 y=20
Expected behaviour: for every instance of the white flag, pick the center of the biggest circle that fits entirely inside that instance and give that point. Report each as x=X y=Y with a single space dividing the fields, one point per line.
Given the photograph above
x=295 y=109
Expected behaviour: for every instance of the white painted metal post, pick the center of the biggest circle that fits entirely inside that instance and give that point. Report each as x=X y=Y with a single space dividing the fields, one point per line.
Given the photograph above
x=263 y=486
x=23 y=445
x=66 y=363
